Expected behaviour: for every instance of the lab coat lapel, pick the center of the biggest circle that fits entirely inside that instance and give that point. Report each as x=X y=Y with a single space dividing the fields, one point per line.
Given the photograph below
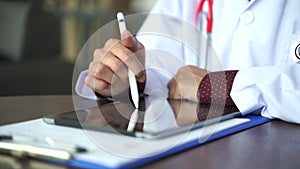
x=250 y=4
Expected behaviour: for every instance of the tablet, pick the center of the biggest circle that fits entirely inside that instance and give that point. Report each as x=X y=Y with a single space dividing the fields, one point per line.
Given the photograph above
x=156 y=118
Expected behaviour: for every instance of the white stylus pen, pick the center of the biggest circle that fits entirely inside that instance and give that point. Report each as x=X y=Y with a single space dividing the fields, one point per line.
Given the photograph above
x=131 y=76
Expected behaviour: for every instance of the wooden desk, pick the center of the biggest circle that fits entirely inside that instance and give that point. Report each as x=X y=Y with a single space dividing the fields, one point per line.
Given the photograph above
x=272 y=145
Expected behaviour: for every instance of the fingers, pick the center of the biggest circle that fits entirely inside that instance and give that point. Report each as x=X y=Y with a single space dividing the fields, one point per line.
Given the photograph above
x=105 y=81
x=106 y=57
x=128 y=57
x=101 y=71
x=128 y=40
x=97 y=85
x=174 y=89
x=115 y=65
x=111 y=63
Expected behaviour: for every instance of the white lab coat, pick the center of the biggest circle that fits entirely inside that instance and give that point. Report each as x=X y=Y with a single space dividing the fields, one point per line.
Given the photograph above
x=254 y=37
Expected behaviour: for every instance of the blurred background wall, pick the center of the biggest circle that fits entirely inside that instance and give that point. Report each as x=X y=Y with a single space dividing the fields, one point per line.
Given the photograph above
x=41 y=39
x=33 y=28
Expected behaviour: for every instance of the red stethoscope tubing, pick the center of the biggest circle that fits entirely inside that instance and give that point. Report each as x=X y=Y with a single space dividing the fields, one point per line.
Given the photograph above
x=209 y=16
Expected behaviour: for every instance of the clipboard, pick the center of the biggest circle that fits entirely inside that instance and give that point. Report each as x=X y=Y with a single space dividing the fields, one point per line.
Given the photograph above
x=99 y=157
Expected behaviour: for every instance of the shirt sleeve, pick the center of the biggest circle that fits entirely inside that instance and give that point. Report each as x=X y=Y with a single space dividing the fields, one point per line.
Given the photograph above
x=215 y=88
x=275 y=89
x=82 y=89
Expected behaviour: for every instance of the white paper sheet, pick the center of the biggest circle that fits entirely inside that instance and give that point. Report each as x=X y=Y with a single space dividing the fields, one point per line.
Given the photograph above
x=112 y=150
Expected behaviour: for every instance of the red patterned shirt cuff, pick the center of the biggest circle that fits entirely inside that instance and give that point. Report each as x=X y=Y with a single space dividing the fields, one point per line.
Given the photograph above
x=215 y=88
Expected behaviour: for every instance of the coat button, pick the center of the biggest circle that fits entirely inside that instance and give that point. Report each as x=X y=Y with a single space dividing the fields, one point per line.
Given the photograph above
x=247 y=17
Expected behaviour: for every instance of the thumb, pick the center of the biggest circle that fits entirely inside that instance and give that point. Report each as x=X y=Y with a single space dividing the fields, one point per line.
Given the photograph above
x=129 y=40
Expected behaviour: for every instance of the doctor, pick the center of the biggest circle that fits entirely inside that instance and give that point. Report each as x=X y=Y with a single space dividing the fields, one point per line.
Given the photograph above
x=255 y=48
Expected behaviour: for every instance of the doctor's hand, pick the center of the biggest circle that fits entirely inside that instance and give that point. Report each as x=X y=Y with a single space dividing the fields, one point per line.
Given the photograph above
x=108 y=71
x=185 y=83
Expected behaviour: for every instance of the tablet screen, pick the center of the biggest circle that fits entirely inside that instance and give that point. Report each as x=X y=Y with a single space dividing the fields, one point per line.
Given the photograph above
x=157 y=117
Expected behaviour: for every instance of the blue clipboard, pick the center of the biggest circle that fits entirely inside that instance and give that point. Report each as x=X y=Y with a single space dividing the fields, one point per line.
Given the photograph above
x=255 y=120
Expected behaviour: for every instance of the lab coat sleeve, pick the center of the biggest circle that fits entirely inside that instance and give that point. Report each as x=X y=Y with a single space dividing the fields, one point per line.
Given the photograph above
x=275 y=89
x=82 y=89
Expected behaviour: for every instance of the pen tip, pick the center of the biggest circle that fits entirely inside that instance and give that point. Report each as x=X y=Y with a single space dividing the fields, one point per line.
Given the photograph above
x=80 y=150
x=5 y=137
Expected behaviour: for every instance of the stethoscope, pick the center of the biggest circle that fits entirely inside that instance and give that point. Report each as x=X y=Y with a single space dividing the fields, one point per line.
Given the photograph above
x=209 y=16
x=209 y=24
x=295 y=48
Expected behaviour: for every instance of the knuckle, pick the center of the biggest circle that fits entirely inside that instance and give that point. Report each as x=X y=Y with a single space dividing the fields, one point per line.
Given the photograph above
x=95 y=84
x=126 y=55
x=190 y=67
x=99 y=69
x=121 y=52
x=98 y=53
x=101 y=85
x=115 y=64
x=109 y=60
x=182 y=69
x=91 y=65
x=87 y=81
x=111 y=42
